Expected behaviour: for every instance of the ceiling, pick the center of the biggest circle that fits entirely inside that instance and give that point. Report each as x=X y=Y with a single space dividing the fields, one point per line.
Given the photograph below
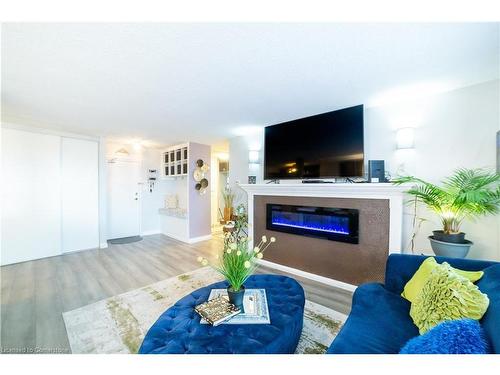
x=207 y=82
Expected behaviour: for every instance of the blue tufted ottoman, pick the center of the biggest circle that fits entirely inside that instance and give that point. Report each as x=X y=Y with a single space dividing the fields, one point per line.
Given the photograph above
x=178 y=330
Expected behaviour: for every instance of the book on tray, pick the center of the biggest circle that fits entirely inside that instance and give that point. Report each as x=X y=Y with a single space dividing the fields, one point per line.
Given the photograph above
x=217 y=310
x=255 y=308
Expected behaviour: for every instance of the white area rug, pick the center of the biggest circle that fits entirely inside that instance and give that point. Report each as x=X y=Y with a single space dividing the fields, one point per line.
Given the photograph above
x=119 y=324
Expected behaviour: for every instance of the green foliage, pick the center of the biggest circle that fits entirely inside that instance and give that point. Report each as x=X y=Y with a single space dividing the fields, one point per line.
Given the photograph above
x=236 y=261
x=236 y=230
x=467 y=194
x=236 y=264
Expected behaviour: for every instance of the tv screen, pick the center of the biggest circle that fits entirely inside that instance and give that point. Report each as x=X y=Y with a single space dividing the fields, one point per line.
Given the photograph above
x=328 y=145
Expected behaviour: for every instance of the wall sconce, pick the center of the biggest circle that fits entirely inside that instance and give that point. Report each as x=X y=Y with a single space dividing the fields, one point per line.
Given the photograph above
x=405 y=138
x=253 y=157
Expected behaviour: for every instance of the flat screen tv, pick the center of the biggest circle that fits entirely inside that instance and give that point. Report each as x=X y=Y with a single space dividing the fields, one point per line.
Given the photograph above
x=328 y=145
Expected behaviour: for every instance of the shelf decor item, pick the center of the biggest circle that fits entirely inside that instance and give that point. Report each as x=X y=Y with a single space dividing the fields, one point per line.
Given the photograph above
x=466 y=195
x=175 y=161
x=237 y=261
x=228 y=196
x=199 y=176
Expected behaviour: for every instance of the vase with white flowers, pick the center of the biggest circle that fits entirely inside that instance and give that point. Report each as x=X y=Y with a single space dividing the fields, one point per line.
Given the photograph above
x=237 y=261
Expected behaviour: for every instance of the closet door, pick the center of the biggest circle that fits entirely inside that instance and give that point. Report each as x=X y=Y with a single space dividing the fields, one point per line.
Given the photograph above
x=31 y=196
x=80 y=195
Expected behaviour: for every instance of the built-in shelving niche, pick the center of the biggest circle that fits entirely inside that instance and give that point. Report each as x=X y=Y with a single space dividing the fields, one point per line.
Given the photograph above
x=175 y=161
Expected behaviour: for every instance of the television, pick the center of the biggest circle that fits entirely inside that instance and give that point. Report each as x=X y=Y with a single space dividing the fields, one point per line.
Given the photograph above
x=328 y=145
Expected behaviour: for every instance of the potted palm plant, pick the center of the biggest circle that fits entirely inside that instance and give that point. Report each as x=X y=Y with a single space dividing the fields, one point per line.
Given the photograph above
x=237 y=262
x=466 y=195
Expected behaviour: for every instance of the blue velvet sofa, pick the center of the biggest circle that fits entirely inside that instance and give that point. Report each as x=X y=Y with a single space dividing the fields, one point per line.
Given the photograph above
x=380 y=322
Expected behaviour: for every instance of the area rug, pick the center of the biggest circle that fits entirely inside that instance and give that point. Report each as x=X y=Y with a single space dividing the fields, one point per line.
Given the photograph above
x=125 y=240
x=119 y=324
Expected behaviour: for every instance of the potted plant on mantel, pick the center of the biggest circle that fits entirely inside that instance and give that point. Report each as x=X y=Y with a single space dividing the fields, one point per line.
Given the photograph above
x=467 y=194
x=237 y=262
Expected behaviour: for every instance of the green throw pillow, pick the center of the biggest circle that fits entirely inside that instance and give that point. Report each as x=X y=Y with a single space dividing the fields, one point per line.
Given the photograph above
x=447 y=296
x=417 y=282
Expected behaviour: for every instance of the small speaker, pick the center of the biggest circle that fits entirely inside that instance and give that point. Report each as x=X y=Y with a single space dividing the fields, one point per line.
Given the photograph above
x=376 y=171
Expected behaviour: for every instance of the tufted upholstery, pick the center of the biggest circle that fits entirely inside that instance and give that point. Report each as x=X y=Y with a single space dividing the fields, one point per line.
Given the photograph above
x=380 y=322
x=178 y=330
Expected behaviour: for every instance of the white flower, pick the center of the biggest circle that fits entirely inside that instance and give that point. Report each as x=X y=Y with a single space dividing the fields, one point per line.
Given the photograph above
x=238 y=253
x=232 y=246
x=264 y=239
x=247 y=264
x=229 y=251
x=273 y=239
x=200 y=259
x=204 y=262
x=259 y=255
x=256 y=249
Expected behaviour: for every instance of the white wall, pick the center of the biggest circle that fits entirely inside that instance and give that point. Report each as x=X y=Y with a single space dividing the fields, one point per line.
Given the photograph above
x=31 y=217
x=79 y=194
x=50 y=193
x=239 y=166
x=453 y=129
x=151 y=201
x=149 y=158
x=103 y=189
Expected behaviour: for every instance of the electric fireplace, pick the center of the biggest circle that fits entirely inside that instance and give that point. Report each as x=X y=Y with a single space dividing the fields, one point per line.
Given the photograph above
x=335 y=224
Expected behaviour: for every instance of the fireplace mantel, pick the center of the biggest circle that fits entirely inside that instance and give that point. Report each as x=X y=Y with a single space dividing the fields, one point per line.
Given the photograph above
x=394 y=194
x=379 y=190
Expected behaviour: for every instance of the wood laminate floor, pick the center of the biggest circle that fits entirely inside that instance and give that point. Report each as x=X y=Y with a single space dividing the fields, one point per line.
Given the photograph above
x=35 y=294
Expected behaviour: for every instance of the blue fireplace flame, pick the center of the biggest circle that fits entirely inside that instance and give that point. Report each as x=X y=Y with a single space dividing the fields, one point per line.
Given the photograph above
x=313 y=222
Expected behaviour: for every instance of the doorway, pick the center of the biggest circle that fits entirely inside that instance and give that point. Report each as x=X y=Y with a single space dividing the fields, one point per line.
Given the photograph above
x=124 y=205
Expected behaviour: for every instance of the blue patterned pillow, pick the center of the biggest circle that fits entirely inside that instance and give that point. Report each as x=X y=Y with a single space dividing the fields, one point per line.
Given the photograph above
x=463 y=336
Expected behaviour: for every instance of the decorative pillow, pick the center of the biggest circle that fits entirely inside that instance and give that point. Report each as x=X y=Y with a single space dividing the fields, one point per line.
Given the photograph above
x=416 y=283
x=464 y=336
x=447 y=296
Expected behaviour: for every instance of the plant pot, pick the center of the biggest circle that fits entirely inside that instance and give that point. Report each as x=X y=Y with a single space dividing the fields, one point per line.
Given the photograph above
x=440 y=235
x=228 y=213
x=450 y=249
x=236 y=298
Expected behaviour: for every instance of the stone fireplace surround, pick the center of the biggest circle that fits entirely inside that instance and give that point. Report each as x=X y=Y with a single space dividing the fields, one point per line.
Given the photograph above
x=343 y=264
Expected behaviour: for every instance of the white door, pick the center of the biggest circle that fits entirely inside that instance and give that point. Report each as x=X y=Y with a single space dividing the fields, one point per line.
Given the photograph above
x=80 y=194
x=124 y=218
x=31 y=196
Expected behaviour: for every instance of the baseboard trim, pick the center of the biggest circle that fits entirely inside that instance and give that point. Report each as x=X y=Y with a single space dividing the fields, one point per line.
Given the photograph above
x=201 y=238
x=189 y=240
x=178 y=238
x=310 y=276
x=150 y=232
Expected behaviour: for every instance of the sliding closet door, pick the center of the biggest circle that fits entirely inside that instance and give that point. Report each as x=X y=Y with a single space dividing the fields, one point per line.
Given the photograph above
x=31 y=196
x=80 y=195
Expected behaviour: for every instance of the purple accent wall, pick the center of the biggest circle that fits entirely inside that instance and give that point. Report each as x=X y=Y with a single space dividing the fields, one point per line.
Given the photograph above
x=199 y=205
